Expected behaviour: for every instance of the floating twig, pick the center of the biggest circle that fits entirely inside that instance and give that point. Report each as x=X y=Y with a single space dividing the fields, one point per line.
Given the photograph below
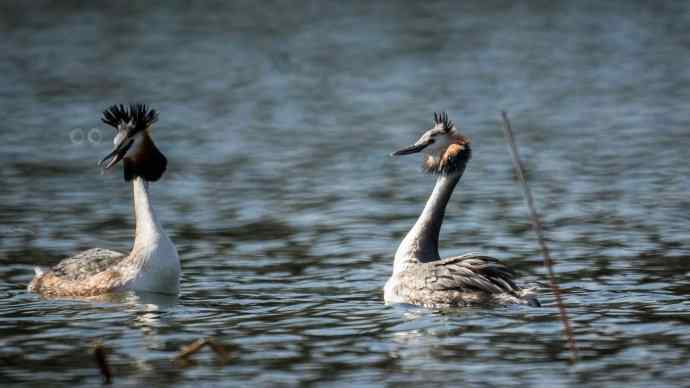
x=187 y=351
x=193 y=348
x=99 y=353
x=538 y=228
x=219 y=350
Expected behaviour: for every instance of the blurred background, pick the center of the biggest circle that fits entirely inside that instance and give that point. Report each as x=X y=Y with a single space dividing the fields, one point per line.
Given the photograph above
x=277 y=119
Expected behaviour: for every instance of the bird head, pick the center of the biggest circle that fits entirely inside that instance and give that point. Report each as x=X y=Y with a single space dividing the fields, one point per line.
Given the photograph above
x=133 y=144
x=447 y=150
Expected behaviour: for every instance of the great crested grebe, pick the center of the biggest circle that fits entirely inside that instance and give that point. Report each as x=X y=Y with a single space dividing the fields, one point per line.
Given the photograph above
x=420 y=277
x=153 y=264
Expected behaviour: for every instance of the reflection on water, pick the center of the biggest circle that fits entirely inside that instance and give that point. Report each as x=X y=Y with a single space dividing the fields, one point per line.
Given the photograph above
x=277 y=120
x=150 y=301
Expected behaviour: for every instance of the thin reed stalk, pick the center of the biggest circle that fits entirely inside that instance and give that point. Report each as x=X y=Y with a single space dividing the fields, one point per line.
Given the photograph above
x=539 y=230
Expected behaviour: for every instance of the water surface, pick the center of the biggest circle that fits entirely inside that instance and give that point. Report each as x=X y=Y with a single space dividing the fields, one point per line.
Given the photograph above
x=277 y=121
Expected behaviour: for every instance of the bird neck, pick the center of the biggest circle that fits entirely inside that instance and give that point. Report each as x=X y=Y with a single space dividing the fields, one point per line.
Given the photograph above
x=154 y=262
x=148 y=229
x=421 y=242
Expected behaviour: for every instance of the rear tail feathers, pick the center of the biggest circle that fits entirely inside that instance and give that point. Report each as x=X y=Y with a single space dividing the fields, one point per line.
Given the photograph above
x=36 y=280
x=529 y=296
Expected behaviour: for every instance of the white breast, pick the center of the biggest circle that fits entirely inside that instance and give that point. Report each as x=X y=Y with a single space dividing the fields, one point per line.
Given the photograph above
x=156 y=269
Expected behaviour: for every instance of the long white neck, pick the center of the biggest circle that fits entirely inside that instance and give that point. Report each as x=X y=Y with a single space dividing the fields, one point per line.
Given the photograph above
x=147 y=229
x=421 y=242
x=156 y=264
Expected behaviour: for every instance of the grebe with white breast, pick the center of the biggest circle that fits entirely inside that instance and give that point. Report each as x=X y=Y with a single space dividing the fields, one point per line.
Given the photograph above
x=153 y=264
x=419 y=276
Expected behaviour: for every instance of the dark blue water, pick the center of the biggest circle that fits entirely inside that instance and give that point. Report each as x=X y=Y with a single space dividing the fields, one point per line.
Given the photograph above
x=277 y=119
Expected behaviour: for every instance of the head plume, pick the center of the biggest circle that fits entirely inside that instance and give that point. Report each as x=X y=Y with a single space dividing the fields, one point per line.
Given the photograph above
x=138 y=117
x=441 y=120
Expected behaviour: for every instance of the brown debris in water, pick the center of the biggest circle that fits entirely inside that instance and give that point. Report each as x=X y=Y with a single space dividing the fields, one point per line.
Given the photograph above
x=187 y=351
x=101 y=356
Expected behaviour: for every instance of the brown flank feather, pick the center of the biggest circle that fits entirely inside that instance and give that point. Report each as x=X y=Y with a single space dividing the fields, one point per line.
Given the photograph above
x=50 y=285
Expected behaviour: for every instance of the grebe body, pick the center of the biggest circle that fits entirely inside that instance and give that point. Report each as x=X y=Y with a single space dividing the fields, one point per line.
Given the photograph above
x=153 y=264
x=420 y=276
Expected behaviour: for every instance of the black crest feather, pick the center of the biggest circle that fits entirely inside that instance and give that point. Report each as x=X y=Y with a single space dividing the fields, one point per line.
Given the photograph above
x=442 y=118
x=139 y=115
x=116 y=114
x=143 y=117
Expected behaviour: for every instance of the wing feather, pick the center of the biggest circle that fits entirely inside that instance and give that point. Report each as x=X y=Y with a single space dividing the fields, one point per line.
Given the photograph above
x=470 y=278
x=86 y=264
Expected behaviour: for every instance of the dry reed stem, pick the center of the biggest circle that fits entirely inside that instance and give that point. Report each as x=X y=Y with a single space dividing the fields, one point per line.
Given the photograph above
x=538 y=228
